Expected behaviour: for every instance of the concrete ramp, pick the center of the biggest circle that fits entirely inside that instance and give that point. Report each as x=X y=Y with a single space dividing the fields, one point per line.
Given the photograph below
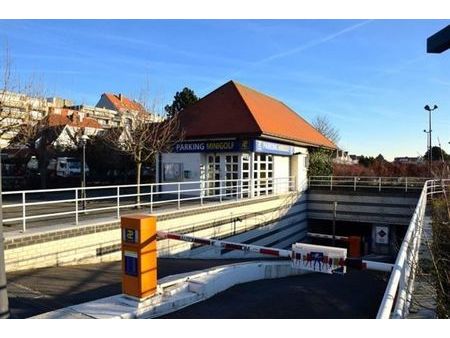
x=177 y=292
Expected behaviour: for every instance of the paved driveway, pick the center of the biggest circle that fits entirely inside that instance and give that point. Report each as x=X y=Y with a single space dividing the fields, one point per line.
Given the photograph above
x=355 y=295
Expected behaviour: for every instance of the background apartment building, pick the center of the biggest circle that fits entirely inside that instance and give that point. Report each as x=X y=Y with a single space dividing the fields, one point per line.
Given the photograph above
x=17 y=109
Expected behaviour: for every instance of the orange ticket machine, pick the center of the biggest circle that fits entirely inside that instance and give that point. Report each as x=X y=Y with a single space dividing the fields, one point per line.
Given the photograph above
x=139 y=269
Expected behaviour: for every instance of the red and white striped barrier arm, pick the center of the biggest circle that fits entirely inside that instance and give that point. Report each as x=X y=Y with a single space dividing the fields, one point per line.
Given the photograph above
x=355 y=263
x=226 y=245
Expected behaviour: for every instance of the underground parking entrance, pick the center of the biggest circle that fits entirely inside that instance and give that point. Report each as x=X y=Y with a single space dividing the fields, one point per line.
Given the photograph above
x=376 y=241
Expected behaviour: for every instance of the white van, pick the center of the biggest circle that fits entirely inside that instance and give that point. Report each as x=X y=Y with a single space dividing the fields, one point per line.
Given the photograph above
x=69 y=167
x=60 y=166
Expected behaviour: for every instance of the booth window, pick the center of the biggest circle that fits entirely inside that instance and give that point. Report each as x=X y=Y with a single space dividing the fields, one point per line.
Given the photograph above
x=172 y=172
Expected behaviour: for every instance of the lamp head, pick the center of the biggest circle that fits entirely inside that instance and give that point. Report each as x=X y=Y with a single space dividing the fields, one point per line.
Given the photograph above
x=427 y=107
x=83 y=139
x=435 y=107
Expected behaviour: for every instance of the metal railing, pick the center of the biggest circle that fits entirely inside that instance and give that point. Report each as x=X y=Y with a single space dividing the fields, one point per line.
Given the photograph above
x=36 y=205
x=397 y=297
x=366 y=182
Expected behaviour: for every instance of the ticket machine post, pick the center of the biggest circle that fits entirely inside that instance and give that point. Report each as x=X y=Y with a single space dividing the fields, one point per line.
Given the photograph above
x=139 y=266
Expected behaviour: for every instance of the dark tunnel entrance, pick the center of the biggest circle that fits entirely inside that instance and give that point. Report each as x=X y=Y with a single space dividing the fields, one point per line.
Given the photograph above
x=377 y=241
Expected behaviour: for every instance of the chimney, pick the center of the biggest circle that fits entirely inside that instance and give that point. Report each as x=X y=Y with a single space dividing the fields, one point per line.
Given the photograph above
x=120 y=97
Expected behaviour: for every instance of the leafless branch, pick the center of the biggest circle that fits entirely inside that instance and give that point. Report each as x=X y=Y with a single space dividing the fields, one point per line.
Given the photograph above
x=324 y=126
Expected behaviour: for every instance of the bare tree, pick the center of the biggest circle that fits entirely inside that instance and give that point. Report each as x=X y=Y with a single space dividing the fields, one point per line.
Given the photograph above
x=144 y=137
x=7 y=120
x=38 y=138
x=324 y=126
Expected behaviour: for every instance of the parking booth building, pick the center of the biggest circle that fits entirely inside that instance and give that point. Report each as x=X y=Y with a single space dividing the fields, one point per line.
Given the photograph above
x=240 y=142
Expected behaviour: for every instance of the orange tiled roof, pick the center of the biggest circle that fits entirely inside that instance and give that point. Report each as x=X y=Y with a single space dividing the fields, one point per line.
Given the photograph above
x=236 y=110
x=62 y=119
x=125 y=103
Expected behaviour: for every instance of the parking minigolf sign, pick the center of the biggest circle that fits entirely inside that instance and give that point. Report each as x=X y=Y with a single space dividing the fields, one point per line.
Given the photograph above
x=319 y=258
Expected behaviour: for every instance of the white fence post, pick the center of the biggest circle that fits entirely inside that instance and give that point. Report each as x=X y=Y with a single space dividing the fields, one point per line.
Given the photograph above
x=406 y=184
x=237 y=190
x=24 y=213
x=179 y=196
x=354 y=183
x=379 y=183
x=202 y=190
x=220 y=190
x=331 y=183
x=151 y=198
x=118 y=202
x=76 y=206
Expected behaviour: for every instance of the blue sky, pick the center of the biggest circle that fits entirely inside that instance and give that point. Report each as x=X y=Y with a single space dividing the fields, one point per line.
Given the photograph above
x=370 y=77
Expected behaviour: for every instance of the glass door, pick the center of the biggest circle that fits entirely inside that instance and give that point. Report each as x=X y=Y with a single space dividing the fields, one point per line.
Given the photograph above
x=263 y=174
x=213 y=175
x=245 y=169
x=231 y=175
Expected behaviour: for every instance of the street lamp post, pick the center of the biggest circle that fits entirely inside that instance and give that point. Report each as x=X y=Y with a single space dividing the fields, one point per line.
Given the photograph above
x=428 y=141
x=427 y=107
x=84 y=139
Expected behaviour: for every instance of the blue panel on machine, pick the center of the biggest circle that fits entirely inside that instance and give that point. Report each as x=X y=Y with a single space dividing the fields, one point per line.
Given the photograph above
x=131 y=263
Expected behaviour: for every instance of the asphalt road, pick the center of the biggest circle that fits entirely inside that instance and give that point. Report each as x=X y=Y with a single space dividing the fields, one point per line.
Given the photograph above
x=32 y=292
x=355 y=295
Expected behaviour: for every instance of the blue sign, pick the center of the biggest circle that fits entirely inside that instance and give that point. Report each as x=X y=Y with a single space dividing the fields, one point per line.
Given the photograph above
x=131 y=263
x=272 y=148
x=215 y=146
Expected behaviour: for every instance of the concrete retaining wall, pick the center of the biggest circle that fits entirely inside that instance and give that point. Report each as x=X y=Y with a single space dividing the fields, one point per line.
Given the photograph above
x=71 y=245
x=366 y=207
x=274 y=221
x=64 y=245
x=277 y=224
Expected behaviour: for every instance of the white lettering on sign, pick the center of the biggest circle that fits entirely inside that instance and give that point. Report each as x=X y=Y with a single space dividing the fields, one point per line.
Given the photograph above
x=263 y=146
x=220 y=145
x=190 y=146
x=205 y=146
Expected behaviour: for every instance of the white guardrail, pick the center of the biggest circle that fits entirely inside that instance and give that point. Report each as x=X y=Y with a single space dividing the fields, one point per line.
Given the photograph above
x=36 y=205
x=397 y=297
x=26 y=206
x=367 y=182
